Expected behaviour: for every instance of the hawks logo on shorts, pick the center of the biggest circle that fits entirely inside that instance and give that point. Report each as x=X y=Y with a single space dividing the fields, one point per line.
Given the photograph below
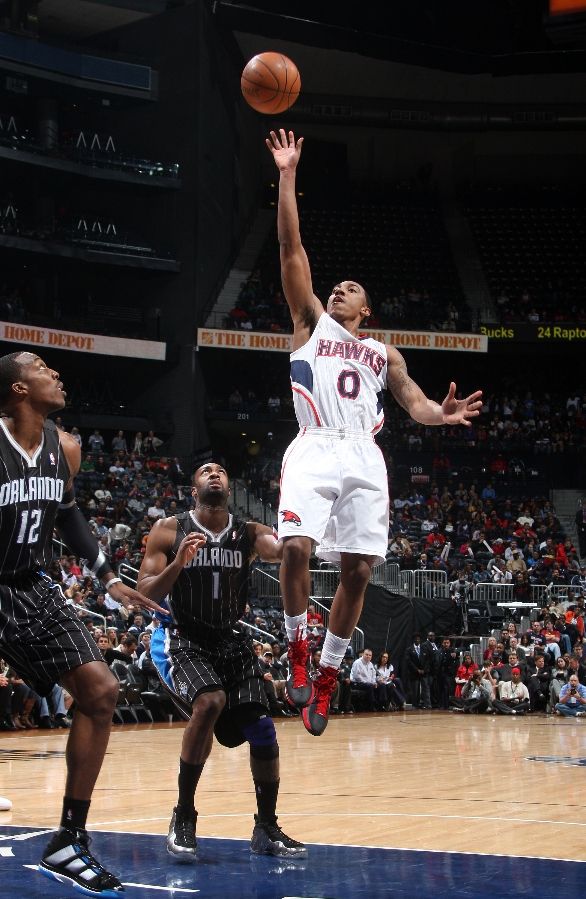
x=292 y=517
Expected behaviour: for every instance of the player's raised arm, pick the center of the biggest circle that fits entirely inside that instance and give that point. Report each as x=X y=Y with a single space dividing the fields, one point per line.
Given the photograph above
x=412 y=398
x=304 y=306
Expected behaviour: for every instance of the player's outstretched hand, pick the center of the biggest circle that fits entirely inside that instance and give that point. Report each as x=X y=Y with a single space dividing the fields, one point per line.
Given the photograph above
x=128 y=596
x=459 y=412
x=285 y=149
x=188 y=547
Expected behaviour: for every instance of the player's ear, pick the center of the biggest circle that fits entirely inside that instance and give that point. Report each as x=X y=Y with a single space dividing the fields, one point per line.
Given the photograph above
x=20 y=388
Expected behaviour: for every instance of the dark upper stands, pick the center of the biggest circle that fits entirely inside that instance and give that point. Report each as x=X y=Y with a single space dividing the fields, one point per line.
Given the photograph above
x=531 y=244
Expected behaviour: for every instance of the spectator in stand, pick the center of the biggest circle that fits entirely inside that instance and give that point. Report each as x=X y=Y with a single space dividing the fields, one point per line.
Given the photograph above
x=572 y=700
x=119 y=444
x=274 y=404
x=448 y=665
x=513 y=695
x=413 y=670
x=559 y=675
x=314 y=618
x=385 y=675
x=156 y=510
x=96 y=443
x=464 y=673
x=151 y=444
x=363 y=678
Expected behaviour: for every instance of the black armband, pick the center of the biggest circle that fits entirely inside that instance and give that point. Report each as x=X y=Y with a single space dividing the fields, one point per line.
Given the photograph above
x=76 y=533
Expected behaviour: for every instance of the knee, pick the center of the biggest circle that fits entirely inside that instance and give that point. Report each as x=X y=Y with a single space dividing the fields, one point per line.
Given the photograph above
x=297 y=551
x=99 y=700
x=208 y=706
x=356 y=575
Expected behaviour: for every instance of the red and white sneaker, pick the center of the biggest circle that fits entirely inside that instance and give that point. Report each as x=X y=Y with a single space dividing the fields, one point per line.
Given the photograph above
x=299 y=688
x=315 y=716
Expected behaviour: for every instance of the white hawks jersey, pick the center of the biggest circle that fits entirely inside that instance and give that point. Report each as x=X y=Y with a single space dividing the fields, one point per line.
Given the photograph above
x=338 y=379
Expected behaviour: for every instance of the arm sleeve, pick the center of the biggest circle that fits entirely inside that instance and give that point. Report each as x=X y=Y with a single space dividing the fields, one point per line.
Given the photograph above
x=75 y=531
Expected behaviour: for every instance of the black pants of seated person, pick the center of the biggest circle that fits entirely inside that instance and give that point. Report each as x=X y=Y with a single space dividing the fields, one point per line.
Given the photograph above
x=506 y=707
x=396 y=693
x=470 y=705
x=371 y=694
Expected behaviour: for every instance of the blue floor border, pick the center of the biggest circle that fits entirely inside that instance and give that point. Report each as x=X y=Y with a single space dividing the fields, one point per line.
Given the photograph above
x=226 y=868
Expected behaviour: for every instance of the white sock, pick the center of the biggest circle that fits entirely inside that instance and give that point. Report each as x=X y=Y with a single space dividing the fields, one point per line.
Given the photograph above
x=292 y=622
x=333 y=650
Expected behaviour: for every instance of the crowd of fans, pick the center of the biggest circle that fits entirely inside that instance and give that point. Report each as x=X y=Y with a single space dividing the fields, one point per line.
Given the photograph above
x=261 y=306
x=521 y=421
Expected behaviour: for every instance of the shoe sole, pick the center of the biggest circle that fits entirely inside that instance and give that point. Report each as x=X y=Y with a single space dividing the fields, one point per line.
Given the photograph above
x=308 y=726
x=184 y=858
x=65 y=878
x=300 y=704
x=282 y=853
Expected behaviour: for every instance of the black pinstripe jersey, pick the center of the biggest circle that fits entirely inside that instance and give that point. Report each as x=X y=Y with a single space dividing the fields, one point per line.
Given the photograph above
x=213 y=587
x=31 y=488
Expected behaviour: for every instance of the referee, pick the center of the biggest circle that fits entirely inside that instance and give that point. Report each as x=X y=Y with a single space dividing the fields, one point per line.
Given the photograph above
x=40 y=636
x=200 y=559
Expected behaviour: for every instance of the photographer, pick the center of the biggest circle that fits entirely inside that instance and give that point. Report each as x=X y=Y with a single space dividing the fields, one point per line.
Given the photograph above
x=572 y=699
x=460 y=593
x=476 y=695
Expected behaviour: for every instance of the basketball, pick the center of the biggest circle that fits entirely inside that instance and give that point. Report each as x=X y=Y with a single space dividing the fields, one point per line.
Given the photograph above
x=270 y=83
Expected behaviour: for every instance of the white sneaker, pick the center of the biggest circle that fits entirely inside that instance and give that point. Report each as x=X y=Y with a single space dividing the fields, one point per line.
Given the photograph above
x=5 y=804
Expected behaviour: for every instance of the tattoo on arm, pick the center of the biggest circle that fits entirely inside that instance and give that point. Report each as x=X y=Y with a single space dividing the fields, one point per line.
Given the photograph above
x=402 y=387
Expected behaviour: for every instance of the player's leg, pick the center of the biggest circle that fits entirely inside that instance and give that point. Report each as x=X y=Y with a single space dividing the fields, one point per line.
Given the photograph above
x=67 y=858
x=195 y=748
x=250 y=722
x=307 y=495
x=187 y=671
x=344 y=615
x=357 y=537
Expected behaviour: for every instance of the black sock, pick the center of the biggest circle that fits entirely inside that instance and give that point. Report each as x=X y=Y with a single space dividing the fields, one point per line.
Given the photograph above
x=266 y=799
x=74 y=814
x=187 y=782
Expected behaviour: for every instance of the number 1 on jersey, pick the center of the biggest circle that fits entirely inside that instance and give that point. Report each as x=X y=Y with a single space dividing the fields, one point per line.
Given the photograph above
x=35 y=523
x=215 y=584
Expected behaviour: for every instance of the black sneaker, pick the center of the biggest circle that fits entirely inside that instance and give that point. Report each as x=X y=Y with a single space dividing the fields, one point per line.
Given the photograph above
x=269 y=839
x=181 y=842
x=68 y=859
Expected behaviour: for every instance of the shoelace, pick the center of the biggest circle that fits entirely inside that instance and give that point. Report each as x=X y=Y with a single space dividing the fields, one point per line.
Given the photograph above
x=324 y=686
x=298 y=656
x=184 y=829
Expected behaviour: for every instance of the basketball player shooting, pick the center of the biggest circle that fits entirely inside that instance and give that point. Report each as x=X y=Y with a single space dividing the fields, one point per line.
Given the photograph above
x=201 y=560
x=40 y=635
x=334 y=491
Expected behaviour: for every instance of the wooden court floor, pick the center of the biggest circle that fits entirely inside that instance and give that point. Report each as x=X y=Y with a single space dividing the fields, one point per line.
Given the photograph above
x=417 y=780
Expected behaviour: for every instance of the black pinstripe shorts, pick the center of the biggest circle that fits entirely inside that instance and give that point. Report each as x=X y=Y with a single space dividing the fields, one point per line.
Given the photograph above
x=40 y=635
x=215 y=660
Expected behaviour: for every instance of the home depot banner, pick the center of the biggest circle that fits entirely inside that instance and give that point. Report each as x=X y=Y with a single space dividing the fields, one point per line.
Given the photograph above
x=31 y=336
x=282 y=343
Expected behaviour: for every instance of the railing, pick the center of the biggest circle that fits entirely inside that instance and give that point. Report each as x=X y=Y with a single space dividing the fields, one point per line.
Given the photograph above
x=250 y=505
x=86 y=612
x=128 y=573
x=430 y=584
x=493 y=593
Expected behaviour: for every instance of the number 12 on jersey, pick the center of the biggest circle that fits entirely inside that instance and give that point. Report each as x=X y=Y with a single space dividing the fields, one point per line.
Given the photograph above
x=31 y=525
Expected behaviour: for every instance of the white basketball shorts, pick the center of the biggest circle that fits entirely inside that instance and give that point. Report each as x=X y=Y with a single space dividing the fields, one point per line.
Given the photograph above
x=334 y=490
